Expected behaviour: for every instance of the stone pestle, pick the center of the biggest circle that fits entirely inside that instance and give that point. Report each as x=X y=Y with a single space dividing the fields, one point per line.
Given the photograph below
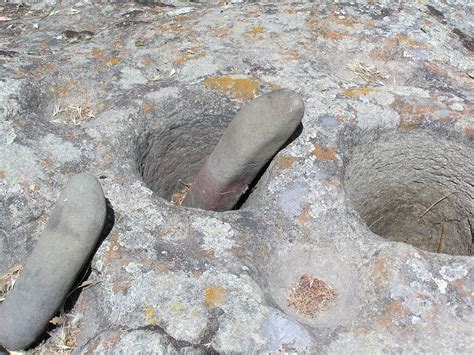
x=72 y=232
x=254 y=136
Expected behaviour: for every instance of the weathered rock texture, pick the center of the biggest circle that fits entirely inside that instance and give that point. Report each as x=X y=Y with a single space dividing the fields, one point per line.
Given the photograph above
x=387 y=133
x=72 y=232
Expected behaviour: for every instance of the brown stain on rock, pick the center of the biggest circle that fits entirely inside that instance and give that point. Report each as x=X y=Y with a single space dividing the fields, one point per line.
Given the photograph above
x=147 y=107
x=187 y=56
x=289 y=54
x=409 y=42
x=2 y=174
x=356 y=92
x=284 y=162
x=239 y=88
x=469 y=131
x=379 y=272
x=305 y=217
x=324 y=154
x=214 y=296
x=394 y=311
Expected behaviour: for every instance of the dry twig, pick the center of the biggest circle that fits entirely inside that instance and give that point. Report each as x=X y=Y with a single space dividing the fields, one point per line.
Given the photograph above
x=434 y=204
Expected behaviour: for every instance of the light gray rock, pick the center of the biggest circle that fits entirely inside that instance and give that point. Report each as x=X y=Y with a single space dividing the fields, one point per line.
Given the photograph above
x=253 y=137
x=71 y=234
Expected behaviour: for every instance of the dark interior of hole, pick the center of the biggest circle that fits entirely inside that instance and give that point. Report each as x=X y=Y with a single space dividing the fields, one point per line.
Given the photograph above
x=175 y=152
x=416 y=189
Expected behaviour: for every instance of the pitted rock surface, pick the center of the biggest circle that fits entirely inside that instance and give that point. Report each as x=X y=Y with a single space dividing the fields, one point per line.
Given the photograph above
x=93 y=87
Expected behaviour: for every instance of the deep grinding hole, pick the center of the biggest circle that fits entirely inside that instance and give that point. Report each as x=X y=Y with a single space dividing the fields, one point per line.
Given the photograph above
x=175 y=152
x=415 y=188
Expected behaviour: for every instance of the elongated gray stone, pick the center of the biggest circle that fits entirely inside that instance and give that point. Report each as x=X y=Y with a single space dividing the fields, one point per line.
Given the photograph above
x=253 y=137
x=72 y=231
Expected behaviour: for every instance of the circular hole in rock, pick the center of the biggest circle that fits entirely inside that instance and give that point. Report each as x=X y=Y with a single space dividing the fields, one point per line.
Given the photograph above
x=170 y=154
x=415 y=188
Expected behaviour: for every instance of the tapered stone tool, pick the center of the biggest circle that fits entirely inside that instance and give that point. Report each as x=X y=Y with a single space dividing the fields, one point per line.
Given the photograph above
x=72 y=232
x=254 y=136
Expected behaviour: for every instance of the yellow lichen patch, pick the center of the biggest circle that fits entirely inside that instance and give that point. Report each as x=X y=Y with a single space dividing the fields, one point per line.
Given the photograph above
x=2 y=174
x=407 y=41
x=191 y=55
x=324 y=154
x=356 y=92
x=214 y=296
x=285 y=162
x=255 y=31
x=176 y=306
x=275 y=86
x=150 y=315
x=240 y=88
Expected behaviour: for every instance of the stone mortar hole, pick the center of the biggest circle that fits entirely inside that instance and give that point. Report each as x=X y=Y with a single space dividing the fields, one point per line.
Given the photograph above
x=415 y=188
x=169 y=156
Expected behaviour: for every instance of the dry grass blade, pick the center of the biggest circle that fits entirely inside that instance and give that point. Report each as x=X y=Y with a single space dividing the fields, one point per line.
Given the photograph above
x=368 y=73
x=8 y=279
x=441 y=240
x=434 y=204
x=310 y=295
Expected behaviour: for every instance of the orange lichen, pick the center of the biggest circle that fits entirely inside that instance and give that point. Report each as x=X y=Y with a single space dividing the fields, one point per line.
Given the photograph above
x=335 y=181
x=379 y=273
x=214 y=296
x=324 y=154
x=356 y=92
x=310 y=295
x=334 y=35
x=184 y=57
x=408 y=42
x=221 y=31
x=289 y=54
x=240 y=88
x=305 y=216
x=147 y=107
x=469 y=131
x=394 y=311
x=2 y=174
x=284 y=162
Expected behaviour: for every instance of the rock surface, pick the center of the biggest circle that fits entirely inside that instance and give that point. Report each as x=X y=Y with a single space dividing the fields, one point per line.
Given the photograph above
x=142 y=102
x=71 y=234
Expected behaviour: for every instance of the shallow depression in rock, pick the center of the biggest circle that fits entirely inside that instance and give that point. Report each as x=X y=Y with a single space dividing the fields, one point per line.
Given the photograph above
x=415 y=188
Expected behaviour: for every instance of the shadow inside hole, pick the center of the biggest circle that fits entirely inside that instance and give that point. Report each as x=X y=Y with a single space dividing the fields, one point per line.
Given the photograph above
x=83 y=275
x=415 y=188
